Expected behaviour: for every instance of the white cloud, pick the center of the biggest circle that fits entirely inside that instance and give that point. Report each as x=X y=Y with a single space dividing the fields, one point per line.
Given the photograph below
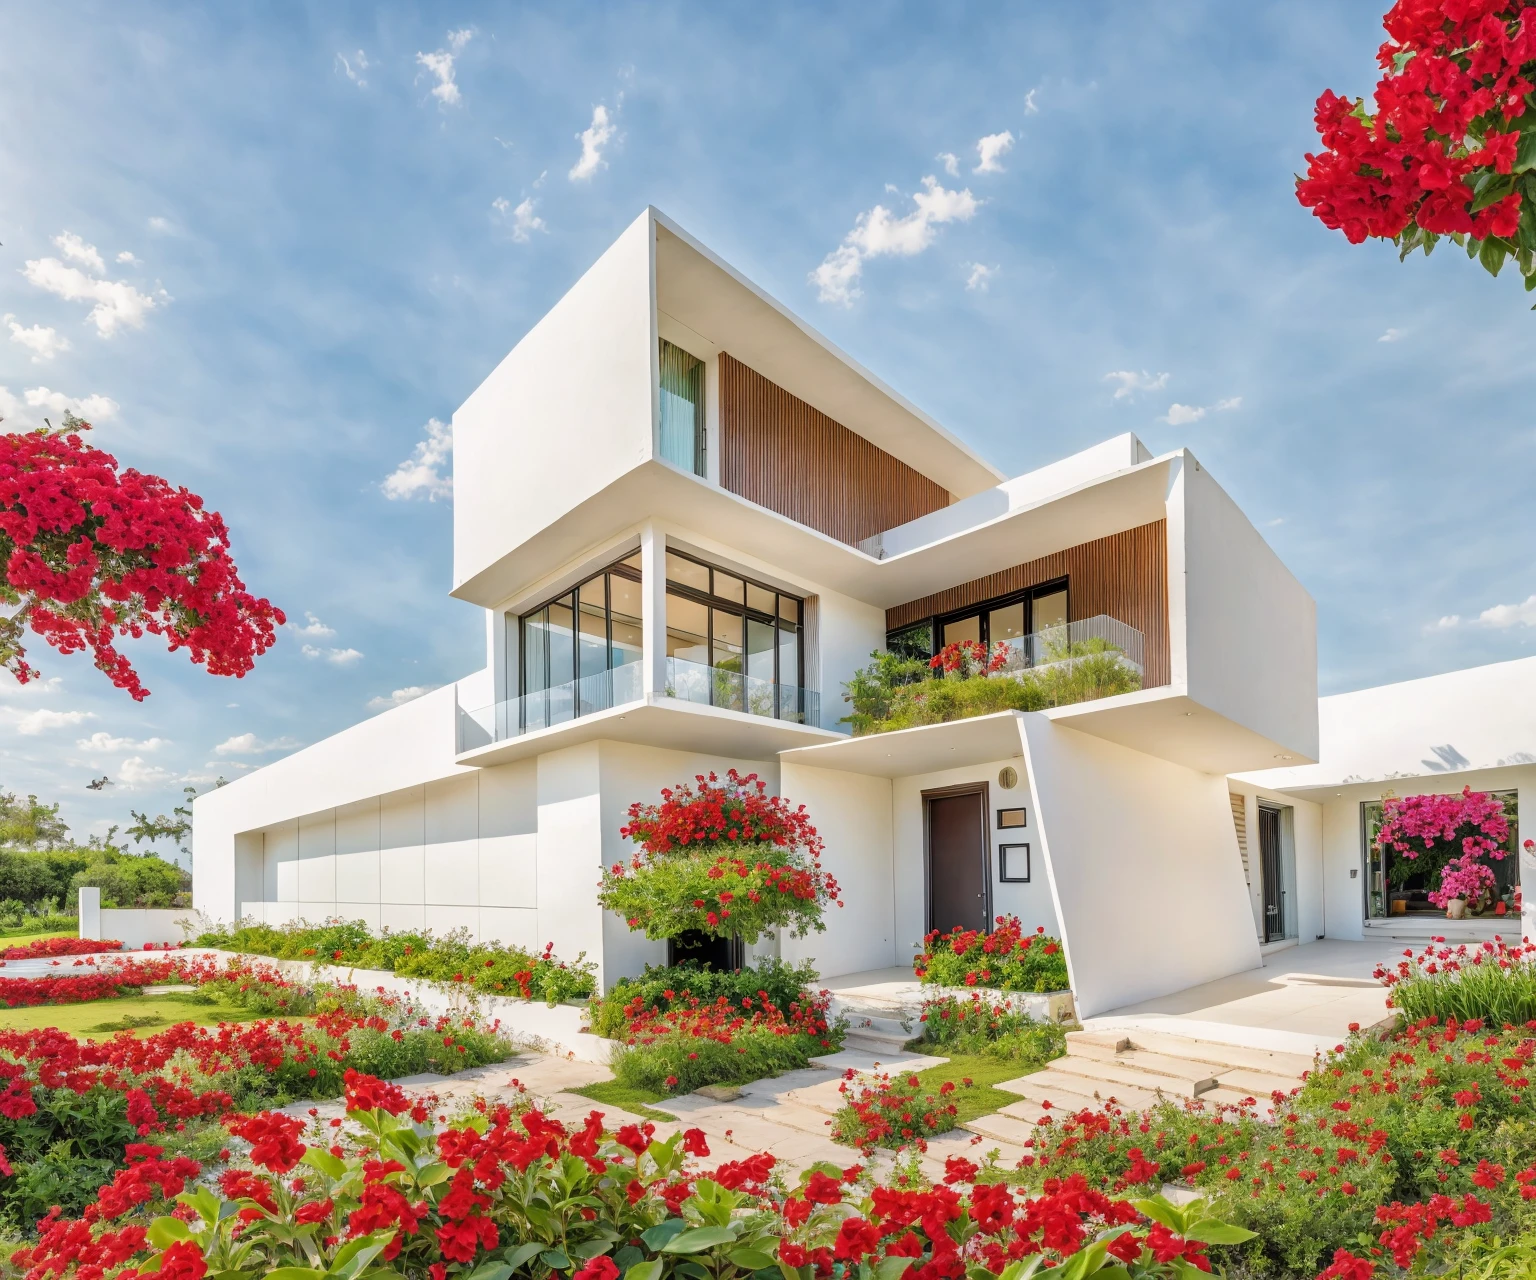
x=593 y=139
x=424 y=473
x=336 y=657
x=1503 y=616
x=522 y=217
x=127 y=259
x=76 y=249
x=10 y=687
x=980 y=277
x=100 y=743
x=354 y=67
x=43 y=719
x=314 y=628
x=990 y=151
x=1179 y=415
x=950 y=161
x=93 y=408
x=135 y=771
x=1448 y=622
x=1391 y=335
x=248 y=744
x=879 y=232
x=399 y=697
x=1030 y=109
x=440 y=64
x=163 y=225
x=1130 y=382
x=44 y=343
x=117 y=303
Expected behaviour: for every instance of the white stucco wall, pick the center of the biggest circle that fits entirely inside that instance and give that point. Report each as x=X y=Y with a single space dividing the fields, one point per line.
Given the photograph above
x=852 y=813
x=1143 y=866
x=1245 y=627
x=1031 y=902
x=569 y=410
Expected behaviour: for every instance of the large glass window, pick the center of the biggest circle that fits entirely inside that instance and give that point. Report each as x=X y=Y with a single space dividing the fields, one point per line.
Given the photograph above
x=732 y=642
x=682 y=409
x=1394 y=888
x=580 y=652
x=1023 y=620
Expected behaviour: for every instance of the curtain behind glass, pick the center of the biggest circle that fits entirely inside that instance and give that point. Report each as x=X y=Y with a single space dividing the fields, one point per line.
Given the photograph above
x=682 y=408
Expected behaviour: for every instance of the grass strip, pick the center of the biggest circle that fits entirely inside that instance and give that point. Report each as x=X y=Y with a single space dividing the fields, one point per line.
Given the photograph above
x=626 y=1097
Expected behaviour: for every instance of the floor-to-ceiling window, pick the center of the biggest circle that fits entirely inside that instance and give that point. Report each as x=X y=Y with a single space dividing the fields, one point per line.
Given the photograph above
x=580 y=652
x=1395 y=886
x=733 y=642
x=1029 y=622
x=682 y=409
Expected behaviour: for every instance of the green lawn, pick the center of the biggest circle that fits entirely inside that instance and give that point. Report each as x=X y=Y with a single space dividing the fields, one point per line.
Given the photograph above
x=143 y=1015
x=612 y=1093
x=25 y=933
x=984 y=1073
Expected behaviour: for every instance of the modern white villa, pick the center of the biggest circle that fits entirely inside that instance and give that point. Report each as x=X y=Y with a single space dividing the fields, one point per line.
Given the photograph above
x=689 y=519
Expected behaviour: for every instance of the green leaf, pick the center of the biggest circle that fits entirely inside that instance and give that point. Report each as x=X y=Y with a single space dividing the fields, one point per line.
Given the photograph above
x=1210 y=1231
x=645 y=1270
x=345 y=1262
x=756 y=1260
x=1525 y=153
x=1492 y=254
x=1493 y=192
x=699 y=1239
x=1085 y=1262
x=518 y=1256
x=491 y=1271
x=204 y=1202
x=1023 y=1269
x=324 y=1161
x=662 y=1233
x=586 y=1250
x=433 y=1174
x=793 y=1273
x=555 y=1260
x=1159 y=1210
x=295 y=1273
x=164 y=1232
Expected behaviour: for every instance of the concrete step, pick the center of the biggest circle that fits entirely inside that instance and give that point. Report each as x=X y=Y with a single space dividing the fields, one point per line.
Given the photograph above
x=864 y=1061
x=1200 y=1075
x=1109 y=1075
x=1261 y=1084
x=802 y=1119
x=1170 y=1044
x=826 y=1097
x=888 y=1022
x=863 y=1040
x=1002 y=1128
x=1073 y=1092
x=1259 y=1104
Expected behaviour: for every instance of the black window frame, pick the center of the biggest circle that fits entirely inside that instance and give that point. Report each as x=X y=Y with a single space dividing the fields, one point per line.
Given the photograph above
x=744 y=611
x=935 y=622
x=571 y=597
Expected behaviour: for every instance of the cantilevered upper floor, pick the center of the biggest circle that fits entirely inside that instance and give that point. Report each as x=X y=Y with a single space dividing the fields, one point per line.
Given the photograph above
x=672 y=491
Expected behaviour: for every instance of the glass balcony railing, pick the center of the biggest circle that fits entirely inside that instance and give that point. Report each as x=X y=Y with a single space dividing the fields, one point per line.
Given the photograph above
x=736 y=691
x=516 y=716
x=1098 y=637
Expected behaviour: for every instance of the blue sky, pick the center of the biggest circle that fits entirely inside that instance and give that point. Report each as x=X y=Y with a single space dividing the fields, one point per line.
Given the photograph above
x=328 y=246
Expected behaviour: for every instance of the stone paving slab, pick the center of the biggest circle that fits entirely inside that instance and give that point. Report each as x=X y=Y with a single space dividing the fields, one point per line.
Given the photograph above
x=866 y=1062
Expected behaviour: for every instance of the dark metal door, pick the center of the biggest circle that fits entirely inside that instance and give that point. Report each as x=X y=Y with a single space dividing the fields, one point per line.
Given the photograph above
x=1272 y=874
x=957 y=861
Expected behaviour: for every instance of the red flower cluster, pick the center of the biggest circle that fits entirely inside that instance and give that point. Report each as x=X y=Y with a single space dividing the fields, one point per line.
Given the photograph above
x=43 y=948
x=724 y=1021
x=1439 y=156
x=120 y=977
x=886 y=1112
x=738 y=811
x=970 y=657
x=91 y=554
x=1007 y=958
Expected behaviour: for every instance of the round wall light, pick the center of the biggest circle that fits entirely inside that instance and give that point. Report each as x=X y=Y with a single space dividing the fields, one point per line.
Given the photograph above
x=1008 y=777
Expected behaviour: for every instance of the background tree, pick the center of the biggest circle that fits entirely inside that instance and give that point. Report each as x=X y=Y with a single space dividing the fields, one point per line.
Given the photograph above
x=1450 y=149
x=176 y=828
x=28 y=824
x=89 y=554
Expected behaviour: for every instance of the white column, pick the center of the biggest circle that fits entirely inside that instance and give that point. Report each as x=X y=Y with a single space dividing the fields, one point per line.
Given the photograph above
x=1526 y=829
x=90 y=912
x=653 y=589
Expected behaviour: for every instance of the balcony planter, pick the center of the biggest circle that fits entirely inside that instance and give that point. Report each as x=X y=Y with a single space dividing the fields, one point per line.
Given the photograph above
x=1455 y=908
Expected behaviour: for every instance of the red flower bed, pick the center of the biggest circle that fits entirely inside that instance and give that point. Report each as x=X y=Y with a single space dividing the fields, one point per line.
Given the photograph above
x=43 y=948
x=887 y=1112
x=1008 y=958
x=724 y=1020
x=117 y=978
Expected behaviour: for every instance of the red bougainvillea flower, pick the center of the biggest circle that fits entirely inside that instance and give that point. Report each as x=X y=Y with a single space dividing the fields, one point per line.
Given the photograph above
x=91 y=554
x=274 y=1139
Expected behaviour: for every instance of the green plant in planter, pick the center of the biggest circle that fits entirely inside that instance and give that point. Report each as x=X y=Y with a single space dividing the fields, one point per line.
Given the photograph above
x=722 y=858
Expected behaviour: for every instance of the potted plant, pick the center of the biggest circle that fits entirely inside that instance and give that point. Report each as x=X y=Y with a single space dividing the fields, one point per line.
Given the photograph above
x=1444 y=839
x=720 y=860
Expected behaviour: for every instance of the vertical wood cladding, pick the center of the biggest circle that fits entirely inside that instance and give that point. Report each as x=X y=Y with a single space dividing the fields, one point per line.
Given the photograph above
x=1124 y=575
x=779 y=452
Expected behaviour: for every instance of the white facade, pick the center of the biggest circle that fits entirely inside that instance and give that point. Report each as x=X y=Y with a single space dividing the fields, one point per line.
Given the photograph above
x=460 y=810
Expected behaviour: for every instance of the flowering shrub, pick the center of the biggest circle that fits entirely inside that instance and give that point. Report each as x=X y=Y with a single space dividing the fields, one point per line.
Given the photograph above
x=1450 y=146
x=722 y=858
x=1491 y=981
x=886 y=1111
x=658 y=989
x=117 y=978
x=984 y=1028
x=1438 y=1109
x=497 y=1194
x=490 y=967
x=726 y=1041
x=897 y=693
x=1445 y=838
x=41 y=948
x=91 y=554
x=1007 y=959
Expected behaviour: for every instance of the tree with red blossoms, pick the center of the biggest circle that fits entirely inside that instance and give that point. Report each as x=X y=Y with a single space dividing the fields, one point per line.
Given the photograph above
x=90 y=553
x=1450 y=148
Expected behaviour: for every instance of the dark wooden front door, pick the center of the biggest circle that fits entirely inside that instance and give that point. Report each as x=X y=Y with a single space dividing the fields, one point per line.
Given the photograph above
x=957 y=859
x=1272 y=871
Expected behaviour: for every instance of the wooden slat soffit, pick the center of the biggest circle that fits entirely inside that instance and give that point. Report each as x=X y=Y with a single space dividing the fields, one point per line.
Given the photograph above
x=781 y=453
